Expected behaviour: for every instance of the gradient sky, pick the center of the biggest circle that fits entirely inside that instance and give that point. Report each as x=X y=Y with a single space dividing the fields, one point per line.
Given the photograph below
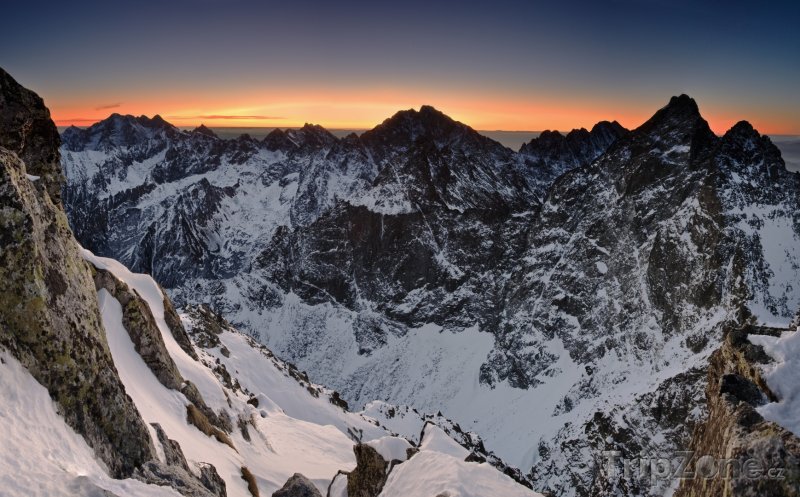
x=508 y=65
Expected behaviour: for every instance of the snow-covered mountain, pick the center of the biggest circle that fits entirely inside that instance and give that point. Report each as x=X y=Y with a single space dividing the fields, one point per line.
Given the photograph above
x=106 y=390
x=556 y=301
x=601 y=291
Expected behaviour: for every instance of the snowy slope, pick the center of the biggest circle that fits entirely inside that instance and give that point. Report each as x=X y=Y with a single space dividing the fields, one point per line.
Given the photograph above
x=292 y=427
x=783 y=378
x=439 y=468
x=43 y=456
x=281 y=446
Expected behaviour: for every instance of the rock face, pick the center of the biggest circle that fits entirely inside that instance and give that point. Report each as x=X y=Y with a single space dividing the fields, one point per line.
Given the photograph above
x=554 y=153
x=146 y=337
x=370 y=474
x=735 y=451
x=28 y=132
x=174 y=472
x=297 y=486
x=48 y=307
x=574 y=290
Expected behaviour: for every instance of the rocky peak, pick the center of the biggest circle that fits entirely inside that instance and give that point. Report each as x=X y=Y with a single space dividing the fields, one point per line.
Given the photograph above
x=118 y=130
x=312 y=135
x=749 y=159
x=28 y=131
x=277 y=140
x=156 y=122
x=611 y=130
x=678 y=124
x=551 y=153
x=205 y=131
x=429 y=125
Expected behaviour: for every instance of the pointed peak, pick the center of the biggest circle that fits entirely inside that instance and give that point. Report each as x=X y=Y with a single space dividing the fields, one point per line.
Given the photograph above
x=681 y=114
x=744 y=134
x=275 y=133
x=204 y=130
x=156 y=121
x=430 y=110
x=319 y=133
x=684 y=102
x=743 y=128
x=410 y=125
x=682 y=107
x=426 y=115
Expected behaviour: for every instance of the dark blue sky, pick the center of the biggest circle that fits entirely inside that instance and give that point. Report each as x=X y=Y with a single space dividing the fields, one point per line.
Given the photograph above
x=510 y=65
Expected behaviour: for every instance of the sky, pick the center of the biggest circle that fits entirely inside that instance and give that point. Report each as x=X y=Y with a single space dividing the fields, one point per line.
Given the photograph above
x=500 y=65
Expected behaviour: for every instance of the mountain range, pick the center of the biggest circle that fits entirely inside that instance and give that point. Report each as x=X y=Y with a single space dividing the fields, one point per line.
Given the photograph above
x=107 y=390
x=486 y=321
x=553 y=300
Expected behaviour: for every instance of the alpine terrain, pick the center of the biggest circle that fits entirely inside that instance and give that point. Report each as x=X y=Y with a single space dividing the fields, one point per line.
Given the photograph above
x=604 y=291
x=107 y=390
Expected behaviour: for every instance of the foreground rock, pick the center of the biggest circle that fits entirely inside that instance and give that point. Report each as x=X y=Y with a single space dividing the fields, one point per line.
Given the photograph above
x=298 y=486
x=48 y=307
x=736 y=452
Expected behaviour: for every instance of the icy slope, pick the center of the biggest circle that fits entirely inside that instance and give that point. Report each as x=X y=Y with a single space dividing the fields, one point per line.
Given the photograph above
x=439 y=468
x=42 y=455
x=279 y=444
x=283 y=423
x=783 y=378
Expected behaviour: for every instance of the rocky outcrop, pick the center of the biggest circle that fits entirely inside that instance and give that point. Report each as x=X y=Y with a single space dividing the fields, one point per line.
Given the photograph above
x=174 y=471
x=736 y=452
x=138 y=321
x=27 y=131
x=552 y=154
x=141 y=327
x=297 y=486
x=49 y=318
x=370 y=473
x=175 y=325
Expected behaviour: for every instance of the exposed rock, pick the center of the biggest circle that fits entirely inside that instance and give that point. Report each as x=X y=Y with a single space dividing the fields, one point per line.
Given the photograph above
x=212 y=481
x=172 y=449
x=252 y=485
x=551 y=154
x=142 y=328
x=185 y=482
x=49 y=316
x=158 y=473
x=370 y=473
x=176 y=327
x=27 y=131
x=764 y=458
x=298 y=486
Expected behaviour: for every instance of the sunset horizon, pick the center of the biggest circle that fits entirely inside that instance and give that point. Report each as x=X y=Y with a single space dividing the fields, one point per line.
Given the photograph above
x=516 y=66
x=519 y=248
x=560 y=118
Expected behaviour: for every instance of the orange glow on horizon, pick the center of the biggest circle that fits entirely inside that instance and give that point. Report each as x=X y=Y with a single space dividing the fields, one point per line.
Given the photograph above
x=349 y=109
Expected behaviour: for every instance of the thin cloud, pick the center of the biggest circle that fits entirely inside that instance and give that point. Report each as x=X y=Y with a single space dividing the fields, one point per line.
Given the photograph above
x=108 y=106
x=77 y=120
x=228 y=116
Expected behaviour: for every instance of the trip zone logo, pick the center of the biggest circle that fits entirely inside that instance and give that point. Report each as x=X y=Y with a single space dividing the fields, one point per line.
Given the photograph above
x=686 y=465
